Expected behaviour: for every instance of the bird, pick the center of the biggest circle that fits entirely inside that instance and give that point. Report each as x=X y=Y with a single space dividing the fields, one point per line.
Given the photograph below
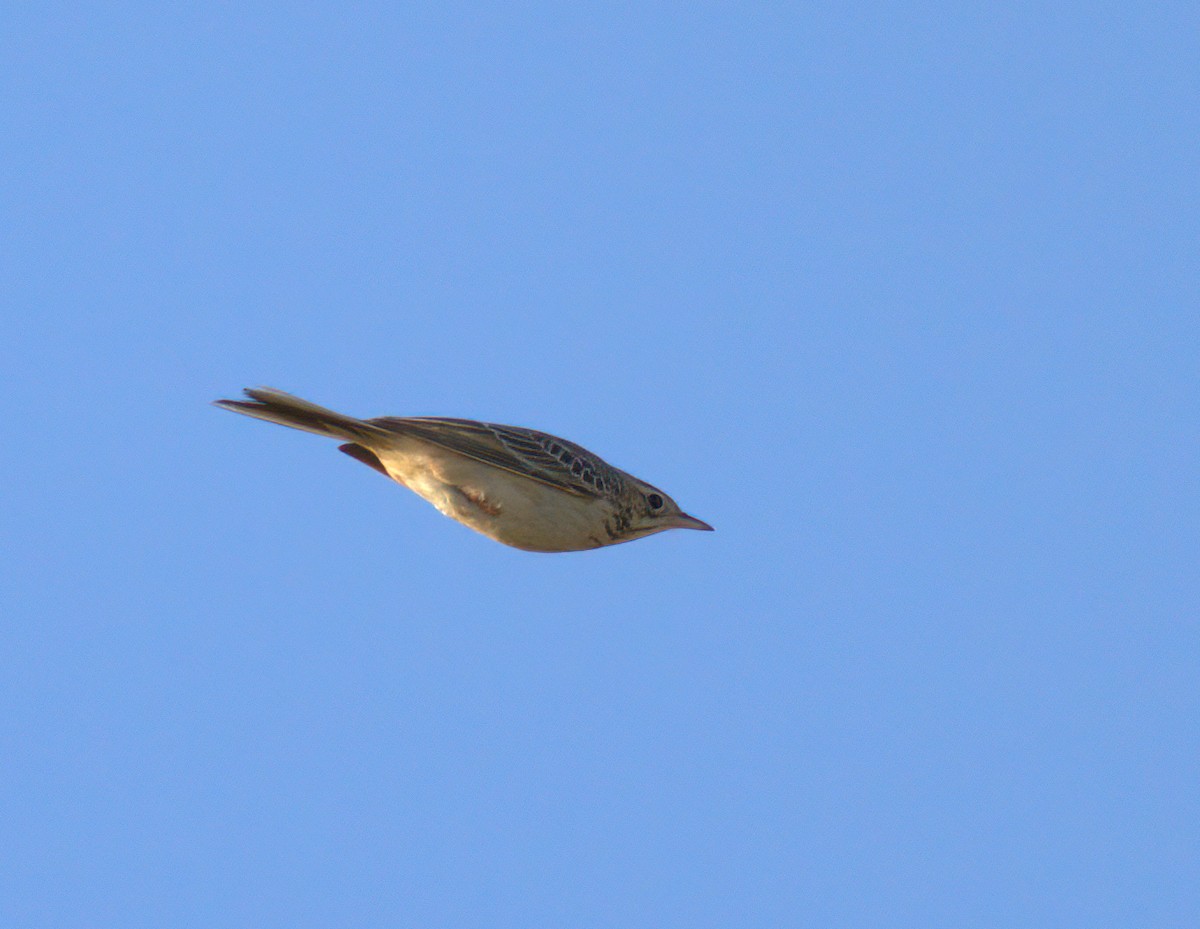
x=523 y=488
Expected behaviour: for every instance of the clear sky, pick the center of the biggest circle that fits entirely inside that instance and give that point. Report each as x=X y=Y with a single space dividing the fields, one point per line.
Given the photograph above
x=902 y=298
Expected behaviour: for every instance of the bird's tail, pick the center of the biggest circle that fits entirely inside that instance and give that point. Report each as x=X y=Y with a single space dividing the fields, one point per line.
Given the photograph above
x=275 y=406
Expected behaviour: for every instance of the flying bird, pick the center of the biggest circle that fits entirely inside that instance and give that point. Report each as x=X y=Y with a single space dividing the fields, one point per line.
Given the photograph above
x=524 y=488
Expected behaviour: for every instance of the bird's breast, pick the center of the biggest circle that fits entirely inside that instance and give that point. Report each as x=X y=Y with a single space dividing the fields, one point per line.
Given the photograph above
x=515 y=510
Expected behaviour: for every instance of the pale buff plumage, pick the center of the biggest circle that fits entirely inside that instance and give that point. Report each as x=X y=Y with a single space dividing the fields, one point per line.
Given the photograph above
x=518 y=486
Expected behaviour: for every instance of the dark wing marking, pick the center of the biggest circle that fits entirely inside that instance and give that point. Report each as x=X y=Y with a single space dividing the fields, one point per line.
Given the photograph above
x=526 y=452
x=365 y=455
x=566 y=460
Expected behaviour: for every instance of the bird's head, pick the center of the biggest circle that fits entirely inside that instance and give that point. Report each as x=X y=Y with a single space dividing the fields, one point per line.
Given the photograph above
x=654 y=511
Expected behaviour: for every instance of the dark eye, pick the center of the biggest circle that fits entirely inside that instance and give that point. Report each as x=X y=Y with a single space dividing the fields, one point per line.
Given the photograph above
x=655 y=501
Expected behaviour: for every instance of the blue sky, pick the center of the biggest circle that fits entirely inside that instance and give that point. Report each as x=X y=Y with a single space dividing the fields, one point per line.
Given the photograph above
x=901 y=297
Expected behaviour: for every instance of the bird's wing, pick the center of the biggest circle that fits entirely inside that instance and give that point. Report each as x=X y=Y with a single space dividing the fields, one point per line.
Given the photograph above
x=524 y=452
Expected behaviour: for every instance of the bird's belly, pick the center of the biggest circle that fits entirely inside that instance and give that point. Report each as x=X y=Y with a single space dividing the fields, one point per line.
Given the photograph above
x=517 y=511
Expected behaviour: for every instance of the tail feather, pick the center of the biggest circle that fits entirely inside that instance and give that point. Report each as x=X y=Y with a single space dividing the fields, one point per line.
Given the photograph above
x=275 y=406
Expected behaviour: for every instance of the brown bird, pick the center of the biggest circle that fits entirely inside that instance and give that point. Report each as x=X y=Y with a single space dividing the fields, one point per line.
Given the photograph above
x=524 y=488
